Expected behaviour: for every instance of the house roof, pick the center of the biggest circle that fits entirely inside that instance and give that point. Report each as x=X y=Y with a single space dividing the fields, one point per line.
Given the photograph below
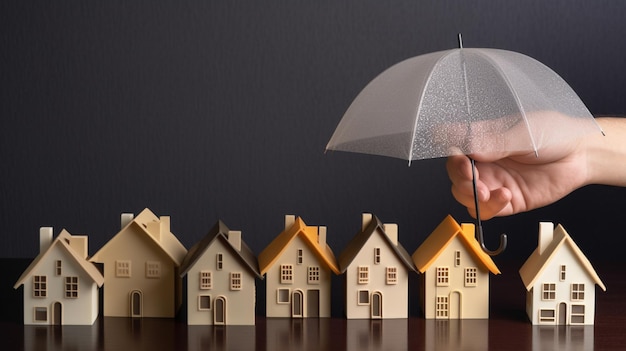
x=62 y=242
x=537 y=261
x=219 y=232
x=149 y=224
x=442 y=236
x=356 y=244
x=310 y=236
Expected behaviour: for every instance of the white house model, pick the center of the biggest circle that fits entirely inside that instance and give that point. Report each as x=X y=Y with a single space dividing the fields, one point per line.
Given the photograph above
x=559 y=280
x=60 y=285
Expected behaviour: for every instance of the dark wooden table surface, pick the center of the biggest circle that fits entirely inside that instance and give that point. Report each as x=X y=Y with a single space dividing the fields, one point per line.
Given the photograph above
x=507 y=328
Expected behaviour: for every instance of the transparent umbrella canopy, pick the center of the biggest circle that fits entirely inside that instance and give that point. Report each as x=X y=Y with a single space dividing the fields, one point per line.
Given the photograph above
x=463 y=101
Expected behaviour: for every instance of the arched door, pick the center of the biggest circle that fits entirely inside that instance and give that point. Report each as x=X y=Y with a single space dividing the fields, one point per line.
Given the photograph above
x=455 y=305
x=136 y=302
x=562 y=314
x=57 y=313
x=219 y=311
x=297 y=304
x=377 y=305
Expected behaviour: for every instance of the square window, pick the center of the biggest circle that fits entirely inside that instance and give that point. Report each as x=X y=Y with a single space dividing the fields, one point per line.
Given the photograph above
x=204 y=302
x=443 y=276
x=206 y=280
x=313 y=275
x=40 y=286
x=547 y=316
x=363 y=274
x=363 y=297
x=578 y=292
x=235 y=281
x=471 y=274
x=71 y=287
x=153 y=269
x=122 y=268
x=392 y=275
x=548 y=291
x=41 y=314
x=286 y=274
x=283 y=296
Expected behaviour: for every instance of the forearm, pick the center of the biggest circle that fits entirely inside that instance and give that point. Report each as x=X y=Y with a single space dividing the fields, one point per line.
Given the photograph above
x=605 y=155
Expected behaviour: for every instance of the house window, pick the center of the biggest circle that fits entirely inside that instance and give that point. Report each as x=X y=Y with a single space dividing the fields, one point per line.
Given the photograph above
x=578 y=292
x=286 y=274
x=547 y=316
x=562 y=273
x=58 y=267
x=40 y=286
x=548 y=291
x=153 y=269
x=41 y=314
x=363 y=276
x=220 y=261
x=392 y=275
x=206 y=280
x=443 y=276
x=283 y=296
x=471 y=274
x=204 y=302
x=363 y=297
x=235 y=281
x=122 y=269
x=71 y=287
x=299 y=257
x=441 y=307
x=578 y=314
x=377 y=255
x=457 y=258
x=313 y=275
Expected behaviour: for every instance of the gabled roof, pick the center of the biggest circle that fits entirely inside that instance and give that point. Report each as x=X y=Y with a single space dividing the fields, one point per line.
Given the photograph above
x=220 y=232
x=443 y=235
x=356 y=244
x=537 y=261
x=62 y=242
x=148 y=223
x=310 y=236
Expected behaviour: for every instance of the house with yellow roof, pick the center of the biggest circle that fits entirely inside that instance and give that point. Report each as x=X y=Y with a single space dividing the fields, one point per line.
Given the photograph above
x=297 y=266
x=455 y=273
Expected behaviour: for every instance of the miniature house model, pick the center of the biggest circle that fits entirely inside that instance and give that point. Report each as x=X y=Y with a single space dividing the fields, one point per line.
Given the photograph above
x=60 y=285
x=141 y=268
x=455 y=273
x=559 y=280
x=221 y=271
x=298 y=265
x=376 y=269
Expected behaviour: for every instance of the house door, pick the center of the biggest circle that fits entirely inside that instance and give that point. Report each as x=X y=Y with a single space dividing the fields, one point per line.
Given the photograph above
x=136 y=302
x=377 y=305
x=562 y=314
x=57 y=313
x=313 y=303
x=455 y=305
x=219 y=311
x=296 y=304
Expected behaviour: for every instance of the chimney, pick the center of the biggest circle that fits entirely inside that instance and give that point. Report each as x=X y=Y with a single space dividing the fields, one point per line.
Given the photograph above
x=391 y=229
x=321 y=236
x=45 y=238
x=234 y=238
x=164 y=224
x=366 y=218
x=546 y=232
x=289 y=221
x=126 y=218
x=78 y=243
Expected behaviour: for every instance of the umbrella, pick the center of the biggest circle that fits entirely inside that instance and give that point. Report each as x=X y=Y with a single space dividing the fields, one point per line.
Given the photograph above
x=463 y=101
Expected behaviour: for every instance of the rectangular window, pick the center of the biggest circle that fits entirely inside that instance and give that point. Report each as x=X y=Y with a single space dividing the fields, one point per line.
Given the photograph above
x=363 y=274
x=204 y=302
x=548 y=291
x=41 y=314
x=206 y=280
x=363 y=297
x=471 y=274
x=443 y=276
x=219 y=261
x=578 y=314
x=153 y=269
x=547 y=316
x=283 y=296
x=313 y=276
x=457 y=258
x=40 y=286
x=377 y=255
x=235 y=281
x=578 y=292
x=58 y=267
x=122 y=269
x=392 y=275
x=286 y=274
x=562 y=273
x=299 y=256
x=441 y=307
x=71 y=287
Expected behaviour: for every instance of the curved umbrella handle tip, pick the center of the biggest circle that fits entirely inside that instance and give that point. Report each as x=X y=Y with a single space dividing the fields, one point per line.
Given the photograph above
x=499 y=250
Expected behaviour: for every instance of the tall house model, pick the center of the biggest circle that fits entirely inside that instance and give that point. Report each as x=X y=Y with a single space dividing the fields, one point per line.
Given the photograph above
x=298 y=265
x=60 y=285
x=455 y=273
x=376 y=269
x=141 y=268
x=559 y=280
x=221 y=271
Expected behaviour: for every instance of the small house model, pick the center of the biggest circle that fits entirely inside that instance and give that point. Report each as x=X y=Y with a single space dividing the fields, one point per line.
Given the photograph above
x=221 y=271
x=297 y=265
x=455 y=273
x=60 y=285
x=376 y=269
x=141 y=268
x=559 y=280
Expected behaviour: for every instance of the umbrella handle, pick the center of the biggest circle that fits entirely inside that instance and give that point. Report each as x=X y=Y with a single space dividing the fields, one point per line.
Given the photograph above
x=479 y=225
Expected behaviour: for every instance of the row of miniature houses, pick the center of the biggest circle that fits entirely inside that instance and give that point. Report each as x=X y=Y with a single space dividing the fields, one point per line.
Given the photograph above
x=145 y=267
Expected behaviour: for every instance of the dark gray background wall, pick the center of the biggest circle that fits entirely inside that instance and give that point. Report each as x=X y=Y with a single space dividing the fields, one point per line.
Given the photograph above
x=210 y=110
